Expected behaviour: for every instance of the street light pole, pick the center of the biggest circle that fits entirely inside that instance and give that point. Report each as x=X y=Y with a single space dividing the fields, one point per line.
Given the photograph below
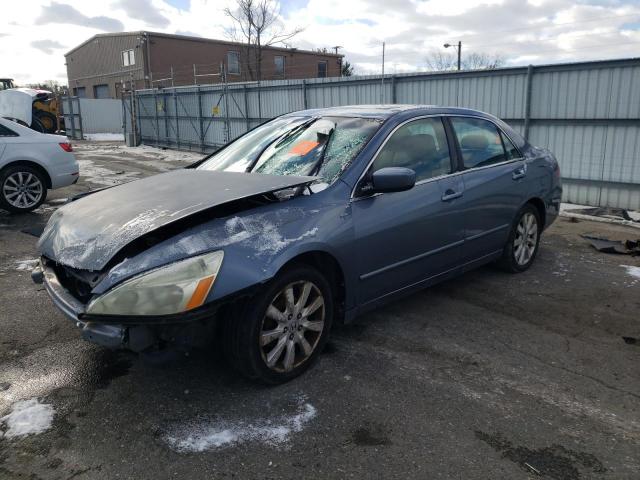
x=459 y=48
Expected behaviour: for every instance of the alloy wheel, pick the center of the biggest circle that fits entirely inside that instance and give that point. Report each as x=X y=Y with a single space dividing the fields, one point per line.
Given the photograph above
x=292 y=326
x=22 y=190
x=526 y=239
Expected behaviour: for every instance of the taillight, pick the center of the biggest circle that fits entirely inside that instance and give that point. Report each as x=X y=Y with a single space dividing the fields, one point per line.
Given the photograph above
x=66 y=147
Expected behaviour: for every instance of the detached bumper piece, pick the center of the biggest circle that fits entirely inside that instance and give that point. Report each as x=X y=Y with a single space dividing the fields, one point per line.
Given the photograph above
x=136 y=334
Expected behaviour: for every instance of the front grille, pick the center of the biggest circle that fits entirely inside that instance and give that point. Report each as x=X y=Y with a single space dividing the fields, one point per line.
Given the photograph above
x=78 y=283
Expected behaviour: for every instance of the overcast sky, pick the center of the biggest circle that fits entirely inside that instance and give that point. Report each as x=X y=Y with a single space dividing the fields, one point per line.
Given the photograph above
x=35 y=34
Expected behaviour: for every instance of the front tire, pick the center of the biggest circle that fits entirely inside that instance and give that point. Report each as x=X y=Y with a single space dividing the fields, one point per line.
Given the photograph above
x=283 y=329
x=22 y=189
x=524 y=239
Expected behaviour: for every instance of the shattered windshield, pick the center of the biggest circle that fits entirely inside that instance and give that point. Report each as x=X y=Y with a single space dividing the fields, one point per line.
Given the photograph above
x=297 y=146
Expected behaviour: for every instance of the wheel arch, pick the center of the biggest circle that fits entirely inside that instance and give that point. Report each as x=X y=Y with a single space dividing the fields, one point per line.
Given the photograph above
x=32 y=164
x=539 y=205
x=329 y=266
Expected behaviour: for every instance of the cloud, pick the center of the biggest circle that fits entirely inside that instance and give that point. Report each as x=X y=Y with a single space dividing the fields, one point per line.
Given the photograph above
x=47 y=46
x=521 y=31
x=63 y=13
x=143 y=10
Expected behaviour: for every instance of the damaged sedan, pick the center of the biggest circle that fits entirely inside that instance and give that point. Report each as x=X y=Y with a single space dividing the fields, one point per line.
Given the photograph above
x=309 y=219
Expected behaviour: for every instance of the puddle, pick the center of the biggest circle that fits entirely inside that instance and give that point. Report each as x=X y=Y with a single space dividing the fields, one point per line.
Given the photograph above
x=556 y=461
x=78 y=366
x=371 y=435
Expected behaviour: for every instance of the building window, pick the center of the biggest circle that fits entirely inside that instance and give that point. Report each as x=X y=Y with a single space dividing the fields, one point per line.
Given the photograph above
x=80 y=92
x=233 y=63
x=128 y=58
x=101 y=91
x=279 y=61
x=322 y=69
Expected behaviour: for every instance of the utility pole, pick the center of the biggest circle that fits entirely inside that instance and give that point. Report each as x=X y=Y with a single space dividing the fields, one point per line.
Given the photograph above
x=382 y=78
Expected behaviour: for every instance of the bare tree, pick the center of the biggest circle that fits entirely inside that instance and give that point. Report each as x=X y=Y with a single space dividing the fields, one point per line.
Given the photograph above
x=257 y=24
x=441 y=61
x=52 y=85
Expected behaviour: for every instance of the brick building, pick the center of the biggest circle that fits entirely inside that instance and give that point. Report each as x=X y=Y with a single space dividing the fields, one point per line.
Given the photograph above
x=98 y=67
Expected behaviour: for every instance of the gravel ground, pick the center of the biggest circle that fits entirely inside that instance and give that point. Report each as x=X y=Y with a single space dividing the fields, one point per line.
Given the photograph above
x=487 y=376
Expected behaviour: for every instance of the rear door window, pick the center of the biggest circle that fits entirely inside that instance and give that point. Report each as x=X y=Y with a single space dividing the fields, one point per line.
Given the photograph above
x=480 y=142
x=512 y=151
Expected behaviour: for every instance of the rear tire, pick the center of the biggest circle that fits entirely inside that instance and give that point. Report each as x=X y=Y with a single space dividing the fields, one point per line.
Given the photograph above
x=37 y=125
x=22 y=189
x=47 y=120
x=279 y=333
x=524 y=239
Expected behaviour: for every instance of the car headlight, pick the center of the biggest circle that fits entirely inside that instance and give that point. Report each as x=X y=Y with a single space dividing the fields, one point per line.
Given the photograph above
x=174 y=288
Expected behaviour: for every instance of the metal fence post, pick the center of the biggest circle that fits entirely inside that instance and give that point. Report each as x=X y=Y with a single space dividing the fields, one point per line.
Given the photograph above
x=124 y=117
x=246 y=107
x=166 y=120
x=393 y=89
x=200 y=119
x=304 y=93
x=259 y=103
x=527 y=103
x=72 y=120
x=225 y=90
x=155 y=106
x=80 y=120
x=135 y=103
x=175 y=111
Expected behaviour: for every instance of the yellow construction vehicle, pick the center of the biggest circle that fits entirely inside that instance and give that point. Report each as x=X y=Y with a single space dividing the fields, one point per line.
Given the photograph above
x=45 y=107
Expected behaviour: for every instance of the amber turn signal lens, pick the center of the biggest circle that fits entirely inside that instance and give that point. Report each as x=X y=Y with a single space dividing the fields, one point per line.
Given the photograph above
x=201 y=292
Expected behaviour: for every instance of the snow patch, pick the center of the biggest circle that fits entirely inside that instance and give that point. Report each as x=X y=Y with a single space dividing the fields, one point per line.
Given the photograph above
x=28 y=417
x=103 y=176
x=273 y=432
x=632 y=270
x=26 y=265
x=104 y=137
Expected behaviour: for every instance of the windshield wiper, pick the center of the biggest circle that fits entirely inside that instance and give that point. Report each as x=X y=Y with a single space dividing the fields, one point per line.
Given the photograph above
x=315 y=168
x=318 y=163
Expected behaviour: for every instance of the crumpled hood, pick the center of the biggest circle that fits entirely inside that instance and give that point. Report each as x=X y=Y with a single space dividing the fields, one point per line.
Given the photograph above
x=87 y=233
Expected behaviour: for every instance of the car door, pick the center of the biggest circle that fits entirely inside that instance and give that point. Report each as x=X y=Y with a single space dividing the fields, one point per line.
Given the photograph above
x=405 y=238
x=492 y=177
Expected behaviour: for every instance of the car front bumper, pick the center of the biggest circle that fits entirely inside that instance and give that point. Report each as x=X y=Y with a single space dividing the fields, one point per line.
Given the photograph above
x=189 y=329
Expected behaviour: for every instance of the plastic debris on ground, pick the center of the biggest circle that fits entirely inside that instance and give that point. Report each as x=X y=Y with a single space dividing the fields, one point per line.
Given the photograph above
x=624 y=247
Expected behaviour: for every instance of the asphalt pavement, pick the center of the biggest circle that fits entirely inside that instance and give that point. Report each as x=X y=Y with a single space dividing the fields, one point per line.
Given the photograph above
x=488 y=376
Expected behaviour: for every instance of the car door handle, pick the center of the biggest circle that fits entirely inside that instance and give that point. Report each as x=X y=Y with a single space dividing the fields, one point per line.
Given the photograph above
x=450 y=195
x=519 y=173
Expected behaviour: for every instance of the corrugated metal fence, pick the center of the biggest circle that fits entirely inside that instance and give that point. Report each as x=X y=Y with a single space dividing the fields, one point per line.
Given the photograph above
x=91 y=115
x=588 y=114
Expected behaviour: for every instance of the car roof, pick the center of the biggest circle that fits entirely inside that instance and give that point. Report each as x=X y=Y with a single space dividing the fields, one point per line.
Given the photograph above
x=383 y=112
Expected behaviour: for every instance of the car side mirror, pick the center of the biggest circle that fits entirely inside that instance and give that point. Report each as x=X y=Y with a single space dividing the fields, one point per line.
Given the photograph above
x=393 y=179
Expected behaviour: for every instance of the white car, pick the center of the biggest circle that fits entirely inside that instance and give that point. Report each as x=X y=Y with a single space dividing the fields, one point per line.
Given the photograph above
x=30 y=163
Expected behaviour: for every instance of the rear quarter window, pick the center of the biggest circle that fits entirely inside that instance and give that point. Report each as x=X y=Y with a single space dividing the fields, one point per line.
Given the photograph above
x=6 y=132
